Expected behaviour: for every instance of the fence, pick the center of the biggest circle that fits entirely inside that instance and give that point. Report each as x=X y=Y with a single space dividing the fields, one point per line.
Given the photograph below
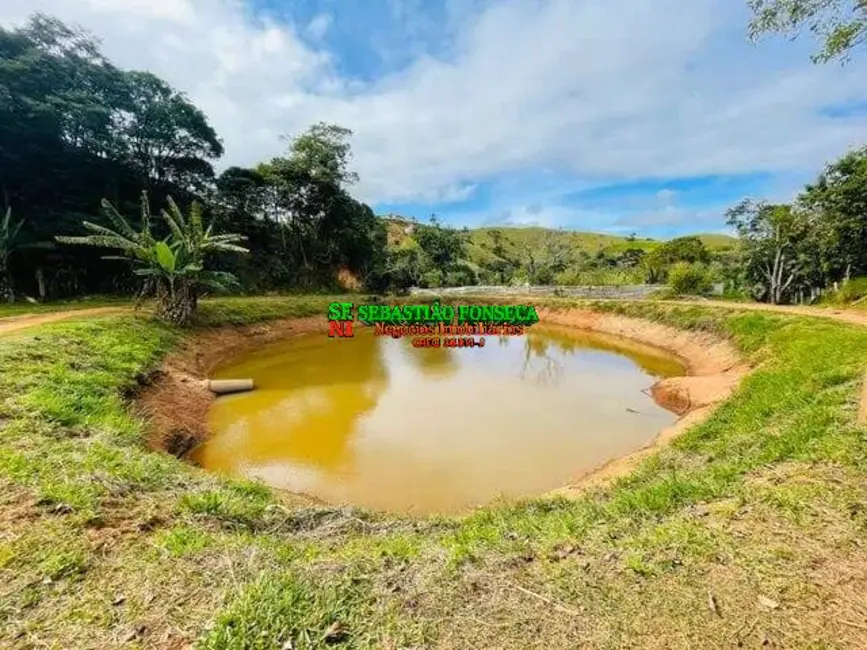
x=634 y=292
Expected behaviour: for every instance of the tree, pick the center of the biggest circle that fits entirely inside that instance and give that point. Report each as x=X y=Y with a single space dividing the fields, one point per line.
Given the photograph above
x=8 y=235
x=689 y=249
x=775 y=243
x=164 y=135
x=73 y=129
x=173 y=268
x=631 y=258
x=552 y=258
x=323 y=152
x=840 y=24
x=325 y=229
x=687 y=279
x=837 y=204
x=502 y=268
x=444 y=247
x=681 y=249
x=405 y=266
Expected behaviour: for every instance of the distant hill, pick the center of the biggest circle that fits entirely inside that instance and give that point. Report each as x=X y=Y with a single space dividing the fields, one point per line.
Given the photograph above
x=516 y=237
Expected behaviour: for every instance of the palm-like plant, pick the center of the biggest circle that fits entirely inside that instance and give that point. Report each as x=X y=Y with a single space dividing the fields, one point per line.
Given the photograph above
x=8 y=235
x=137 y=247
x=173 y=268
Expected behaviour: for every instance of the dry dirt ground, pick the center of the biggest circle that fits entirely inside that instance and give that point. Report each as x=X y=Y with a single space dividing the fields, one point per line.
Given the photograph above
x=17 y=323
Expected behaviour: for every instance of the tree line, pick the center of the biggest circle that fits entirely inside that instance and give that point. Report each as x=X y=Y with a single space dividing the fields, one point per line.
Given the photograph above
x=81 y=140
x=87 y=148
x=795 y=251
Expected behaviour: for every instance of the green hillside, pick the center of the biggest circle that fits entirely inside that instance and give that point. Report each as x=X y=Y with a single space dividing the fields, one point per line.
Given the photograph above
x=535 y=236
x=541 y=255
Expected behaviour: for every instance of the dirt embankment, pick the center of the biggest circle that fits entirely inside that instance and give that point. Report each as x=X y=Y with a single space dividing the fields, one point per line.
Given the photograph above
x=714 y=372
x=175 y=401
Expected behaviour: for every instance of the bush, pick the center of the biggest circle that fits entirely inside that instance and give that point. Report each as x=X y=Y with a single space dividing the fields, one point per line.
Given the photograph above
x=853 y=290
x=689 y=279
x=431 y=279
x=599 y=277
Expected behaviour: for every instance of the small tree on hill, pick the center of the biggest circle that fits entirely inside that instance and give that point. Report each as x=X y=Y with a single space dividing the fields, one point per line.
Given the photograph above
x=173 y=268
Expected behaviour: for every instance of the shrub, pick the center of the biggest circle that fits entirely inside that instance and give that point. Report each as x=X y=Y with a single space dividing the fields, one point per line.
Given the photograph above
x=853 y=290
x=599 y=277
x=689 y=279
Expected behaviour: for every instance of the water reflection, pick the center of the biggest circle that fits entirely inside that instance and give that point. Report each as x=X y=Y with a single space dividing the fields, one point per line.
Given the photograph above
x=375 y=422
x=540 y=367
x=432 y=362
x=304 y=408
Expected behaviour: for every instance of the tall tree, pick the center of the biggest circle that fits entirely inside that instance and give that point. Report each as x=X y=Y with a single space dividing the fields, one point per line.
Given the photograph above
x=322 y=228
x=323 y=152
x=443 y=246
x=776 y=245
x=73 y=129
x=688 y=249
x=166 y=137
x=841 y=25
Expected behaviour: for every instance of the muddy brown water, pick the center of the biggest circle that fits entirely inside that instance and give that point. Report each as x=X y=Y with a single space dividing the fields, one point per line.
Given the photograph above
x=376 y=423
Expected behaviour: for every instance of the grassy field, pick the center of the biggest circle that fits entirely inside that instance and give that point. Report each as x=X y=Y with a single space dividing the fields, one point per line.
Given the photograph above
x=748 y=532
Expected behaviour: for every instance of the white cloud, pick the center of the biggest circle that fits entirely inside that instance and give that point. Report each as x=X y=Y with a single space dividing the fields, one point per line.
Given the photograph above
x=605 y=91
x=666 y=196
x=318 y=27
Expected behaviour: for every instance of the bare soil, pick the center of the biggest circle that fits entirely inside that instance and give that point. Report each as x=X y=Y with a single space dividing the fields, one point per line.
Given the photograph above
x=16 y=323
x=175 y=400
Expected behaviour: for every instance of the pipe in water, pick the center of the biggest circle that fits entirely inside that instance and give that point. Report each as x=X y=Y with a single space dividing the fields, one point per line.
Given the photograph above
x=228 y=386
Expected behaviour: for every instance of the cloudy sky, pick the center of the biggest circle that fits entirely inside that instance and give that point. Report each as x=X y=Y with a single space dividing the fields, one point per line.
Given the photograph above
x=614 y=115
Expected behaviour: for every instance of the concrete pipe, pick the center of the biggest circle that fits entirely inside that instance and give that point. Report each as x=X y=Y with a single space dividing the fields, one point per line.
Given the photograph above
x=227 y=386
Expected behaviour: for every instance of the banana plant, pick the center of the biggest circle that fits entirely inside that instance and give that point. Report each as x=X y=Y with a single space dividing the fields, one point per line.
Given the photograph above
x=136 y=246
x=173 y=268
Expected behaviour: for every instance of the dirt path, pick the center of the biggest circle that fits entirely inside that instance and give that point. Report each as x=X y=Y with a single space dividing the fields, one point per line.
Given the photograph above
x=17 y=323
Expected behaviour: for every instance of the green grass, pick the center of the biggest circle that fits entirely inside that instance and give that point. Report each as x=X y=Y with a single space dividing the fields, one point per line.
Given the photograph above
x=105 y=544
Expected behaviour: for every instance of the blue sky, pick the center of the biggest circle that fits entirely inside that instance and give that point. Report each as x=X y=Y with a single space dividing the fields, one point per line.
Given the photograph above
x=647 y=116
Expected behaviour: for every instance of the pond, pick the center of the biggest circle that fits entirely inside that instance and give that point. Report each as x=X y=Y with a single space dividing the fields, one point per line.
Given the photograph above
x=376 y=423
